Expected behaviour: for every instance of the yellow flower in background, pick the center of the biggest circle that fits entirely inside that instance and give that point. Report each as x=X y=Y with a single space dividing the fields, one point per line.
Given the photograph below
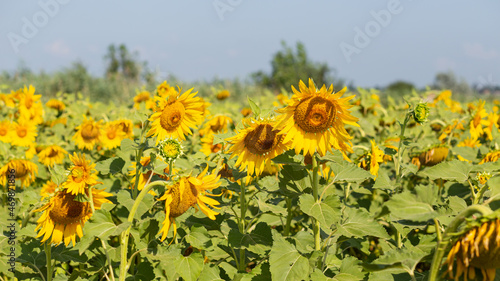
x=314 y=120
x=483 y=177
x=222 y=95
x=469 y=142
x=6 y=130
x=51 y=155
x=30 y=152
x=207 y=145
x=25 y=171
x=491 y=123
x=126 y=126
x=476 y=251
x=204 y=107
x=87 y=134
x=145 y=175
x=431 y=156
x=188 y=192
x=175 y=115
x=163 y=89
x=246 y=111
x=141 y=97
x=256 y=144
x=24 y=133
x=7 y=100
x=63 y=218
x=218 y=124
x=48 y=189
x=82 y=174
x=475 y=125
x=371 y=160
x=491 y=157
x=56 y=104
x=111 y=135
x=30 y=106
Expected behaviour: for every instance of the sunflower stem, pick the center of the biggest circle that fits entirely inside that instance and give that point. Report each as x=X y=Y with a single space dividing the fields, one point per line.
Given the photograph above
x=91 y=200
x=48 y=256
x=288 y=216
x=243 y=209
x=315 y=186
x=125 y=234
x=443 y=243
x=480 y=194
x=401 y=138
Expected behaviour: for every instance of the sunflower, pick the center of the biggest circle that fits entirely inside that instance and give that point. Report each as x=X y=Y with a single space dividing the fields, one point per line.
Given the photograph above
x=188 y=192
x=48 y=189
x=314 y=120
x=145 y=176
x=126 y=126
x=141 y=97
x=491 y=157
x=218 y=124
x=476 y=250
x=372 y=159
x=51 y=155
x=246 y=111
x=56 y=104
x=469 y=142
x=208 y=147
x=63 y=218
x=25 y=171
x=256 y=145
x=7 y=100
x=81 y=175
x=30 y=105
x=30 y=152
x=112 y=135
x=475 y=125
x=175 y=115
x=222 y=95
x=163 y=89
x=431 y=156
x=491 y=124
x=24 y=132
x=87 y=134
x=5 y=131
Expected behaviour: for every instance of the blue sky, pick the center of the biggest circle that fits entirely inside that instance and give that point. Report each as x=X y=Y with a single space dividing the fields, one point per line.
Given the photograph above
x=371 y=43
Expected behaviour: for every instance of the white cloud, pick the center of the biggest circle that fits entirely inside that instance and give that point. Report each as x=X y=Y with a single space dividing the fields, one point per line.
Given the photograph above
x=58 y=48
x=476 y=50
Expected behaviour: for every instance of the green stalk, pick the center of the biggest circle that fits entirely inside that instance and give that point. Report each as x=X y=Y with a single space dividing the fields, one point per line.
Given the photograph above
x=443 y=244
x=91 y=200
x=288 y=216
x=315 y=187
x=479 y=195
x=243 y=209
x=48 y=256
x=401 y=138
x=125 y=234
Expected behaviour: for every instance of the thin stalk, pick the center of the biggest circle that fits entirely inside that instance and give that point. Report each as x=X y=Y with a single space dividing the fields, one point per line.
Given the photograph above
x=438 y=230
x=480 y=194
x=91 y=200
x=315 y=187
x=288 y=216
x=48 y=256
x=401 y=138
x=241 y=225
x=125 y=234
x=443 y=244
x=108 y=259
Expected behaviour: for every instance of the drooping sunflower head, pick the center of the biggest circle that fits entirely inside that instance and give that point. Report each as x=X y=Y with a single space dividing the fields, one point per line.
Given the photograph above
x=431 y=156
x=51 y=155
x=175 y=115
x=56 y=104
x=492 y=156
x=25 y=171
x=82 y=175
x=476 y=250
x=188 y=192
x=63 y=217
x=256 y=145
x=88 y=134
x=314 y=119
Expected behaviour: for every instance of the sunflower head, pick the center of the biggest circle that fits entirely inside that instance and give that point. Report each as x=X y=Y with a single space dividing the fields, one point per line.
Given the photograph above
x=25 y=171
x=370 y=160
x=432 y=156
x=56 y=104
x=246 y=111
x=169 y=149
x=491 y=157
x=222 y=95
x=483 y=177
x=421 y=113
x=82 y=175
x=314 y=119
x=51 y=155
x=476 y=250
x=88 y=134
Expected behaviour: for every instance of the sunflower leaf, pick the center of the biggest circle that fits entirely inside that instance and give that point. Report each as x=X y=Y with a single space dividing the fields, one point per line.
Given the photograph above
x=348 y=172
x=326 y=212
x=410 y=207
x=359 y=223
x=286 y=263
x=254 y=107
x=454 y=170
x=189 y=268
x=57 y=174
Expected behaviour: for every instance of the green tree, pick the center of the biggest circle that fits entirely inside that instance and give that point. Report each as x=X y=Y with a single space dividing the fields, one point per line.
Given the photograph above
x=448 y=81
x=121 y=62
x=399 y=88
x=289 y=66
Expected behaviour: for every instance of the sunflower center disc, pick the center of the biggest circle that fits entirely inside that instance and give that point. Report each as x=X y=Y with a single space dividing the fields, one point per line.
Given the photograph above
x=315 y=115
x=180 y=205
x=21 y=132
x=21 y=170
x=111 y=134
x=77 y=174
x=52 y=153
x=262 y=139
x=3 y=132
x=172 y=116
x=66 y=211
x=89 y=131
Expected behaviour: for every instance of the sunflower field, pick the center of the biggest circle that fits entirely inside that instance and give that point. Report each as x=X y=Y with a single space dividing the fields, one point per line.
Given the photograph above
x=315 y=183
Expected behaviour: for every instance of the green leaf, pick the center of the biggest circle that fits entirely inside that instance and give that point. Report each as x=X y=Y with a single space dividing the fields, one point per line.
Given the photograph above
x=350 y=270
x=57 y=174
x=254 y=107
x=102 y=225
x=128 y=145
x=123 y=197
x=326 y=212
x=210 y=273
x=221 y=138
x=189 y=268
x=359 y=224
x=286 y=263
x=383 y=181
x=406 y=206
x=408 y=258
x=198 y=237
x=111 y=165
x=454 y=170
x=349 y=173
x=258 y=241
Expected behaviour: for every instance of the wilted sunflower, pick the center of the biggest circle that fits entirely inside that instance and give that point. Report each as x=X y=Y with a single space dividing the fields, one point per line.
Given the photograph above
x=51 y=155
x=188 y=192
x=5 y=131
x=87 y=134
x=111 y=135
x=314 y=120
x=56 y=104
x=24 y=132
x=372 y=159
x=431 y=156
x=81 y=175
x=25 y=171
x=218 y=124
x=491 y=157
x=256 y=145
x=476 y=250
x=175 y=115
x=63 y=217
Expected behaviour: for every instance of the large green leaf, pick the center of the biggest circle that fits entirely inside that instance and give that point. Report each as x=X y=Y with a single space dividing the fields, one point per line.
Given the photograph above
x=350 y=270
x=327 y=212
x=348 y=172
x=454 y=170
x=286 y=262
x=111 y=165
x=189 y=268
x=359 y=223
x=407 y=206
